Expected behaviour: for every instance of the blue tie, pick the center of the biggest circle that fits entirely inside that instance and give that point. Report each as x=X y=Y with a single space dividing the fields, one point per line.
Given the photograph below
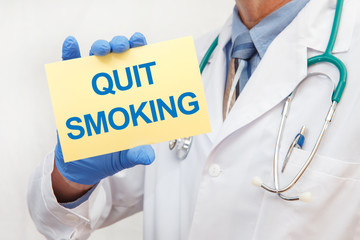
x=243 y=47
x=238 y=73
x=243 y=50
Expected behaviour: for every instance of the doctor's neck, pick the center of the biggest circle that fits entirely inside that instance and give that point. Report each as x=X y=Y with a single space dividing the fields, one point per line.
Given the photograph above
x=253 y=11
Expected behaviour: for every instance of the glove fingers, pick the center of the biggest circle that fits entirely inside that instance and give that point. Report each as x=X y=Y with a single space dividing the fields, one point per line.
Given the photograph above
x=143 y=155
x=100 y=48
x=70 y=49
x=137 y=40
x=119 y=44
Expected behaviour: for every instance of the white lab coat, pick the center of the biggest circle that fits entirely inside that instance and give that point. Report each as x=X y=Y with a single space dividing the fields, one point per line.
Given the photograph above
x=209 y=195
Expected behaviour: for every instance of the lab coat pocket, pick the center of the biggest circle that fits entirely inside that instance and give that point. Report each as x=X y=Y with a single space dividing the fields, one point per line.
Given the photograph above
x=327 y=165
x=333 y=213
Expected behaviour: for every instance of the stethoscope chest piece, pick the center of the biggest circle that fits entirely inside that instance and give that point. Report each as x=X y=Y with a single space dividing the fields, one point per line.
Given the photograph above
x=181 y=146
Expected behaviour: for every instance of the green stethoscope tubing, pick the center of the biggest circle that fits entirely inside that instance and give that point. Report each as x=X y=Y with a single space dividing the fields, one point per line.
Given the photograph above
x=208 y=53
x=329 y=58
x=326 y=57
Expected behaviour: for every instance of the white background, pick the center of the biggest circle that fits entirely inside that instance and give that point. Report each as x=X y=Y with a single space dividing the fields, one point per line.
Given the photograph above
x=31 y=34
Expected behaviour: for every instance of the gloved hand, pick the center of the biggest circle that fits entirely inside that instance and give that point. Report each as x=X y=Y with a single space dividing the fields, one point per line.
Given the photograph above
x=90 y=171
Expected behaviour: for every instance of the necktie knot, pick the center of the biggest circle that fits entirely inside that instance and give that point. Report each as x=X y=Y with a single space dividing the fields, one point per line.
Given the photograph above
x=243 y=47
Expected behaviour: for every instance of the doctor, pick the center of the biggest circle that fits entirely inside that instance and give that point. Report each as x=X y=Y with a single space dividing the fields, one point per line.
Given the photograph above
x=209 y=194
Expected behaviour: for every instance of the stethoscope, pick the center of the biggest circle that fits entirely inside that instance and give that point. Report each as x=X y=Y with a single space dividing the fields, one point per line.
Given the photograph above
x=182 y=146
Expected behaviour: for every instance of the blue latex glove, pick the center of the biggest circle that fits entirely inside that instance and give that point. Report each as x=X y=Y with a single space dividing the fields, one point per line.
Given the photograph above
x=118 y=44
x=91 y=170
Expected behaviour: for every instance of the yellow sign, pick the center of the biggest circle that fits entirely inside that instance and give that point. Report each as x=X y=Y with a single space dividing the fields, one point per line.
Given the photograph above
x=143 y=96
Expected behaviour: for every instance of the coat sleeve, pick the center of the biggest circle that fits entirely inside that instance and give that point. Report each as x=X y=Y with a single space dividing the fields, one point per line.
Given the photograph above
x=113 y=199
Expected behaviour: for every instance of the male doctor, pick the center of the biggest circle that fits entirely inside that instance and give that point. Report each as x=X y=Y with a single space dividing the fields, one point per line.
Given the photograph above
x=209 y=194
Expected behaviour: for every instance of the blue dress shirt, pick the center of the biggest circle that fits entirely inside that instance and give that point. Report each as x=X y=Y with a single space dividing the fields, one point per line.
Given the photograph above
x=264 y=32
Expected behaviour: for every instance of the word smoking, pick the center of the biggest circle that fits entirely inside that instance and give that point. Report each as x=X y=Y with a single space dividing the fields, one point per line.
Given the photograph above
x=122 y=117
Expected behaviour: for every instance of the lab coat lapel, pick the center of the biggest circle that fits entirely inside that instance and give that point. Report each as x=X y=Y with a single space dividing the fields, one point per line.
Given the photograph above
x=284 y=65
x=318 y=17
x=281 y=69
x=215 y=73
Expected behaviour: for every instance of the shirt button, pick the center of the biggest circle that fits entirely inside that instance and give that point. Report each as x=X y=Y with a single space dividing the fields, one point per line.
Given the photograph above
x=214 y=170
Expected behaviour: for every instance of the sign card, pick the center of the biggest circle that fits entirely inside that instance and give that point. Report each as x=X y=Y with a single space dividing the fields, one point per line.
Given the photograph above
x=145 y=95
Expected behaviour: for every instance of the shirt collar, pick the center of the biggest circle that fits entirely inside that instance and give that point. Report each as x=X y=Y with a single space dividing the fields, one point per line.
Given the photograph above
x=269 y=28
